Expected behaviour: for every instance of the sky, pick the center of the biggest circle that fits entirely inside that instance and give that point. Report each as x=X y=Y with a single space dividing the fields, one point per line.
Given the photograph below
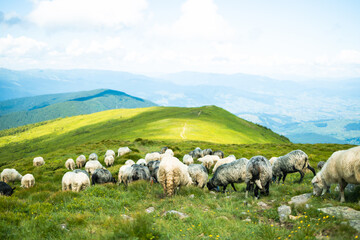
x=280 y=38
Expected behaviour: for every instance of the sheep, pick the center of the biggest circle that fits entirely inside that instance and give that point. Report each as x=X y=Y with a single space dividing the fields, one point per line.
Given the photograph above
x=141 y=162
x=70 y=164
x=80 y=181
x=110 y=153
x=154 y=175
x=92 y=165
x=207 y=151
x=66 y=181
x=122 y=173
x=154 y=156
x=209 y=160
x=219 y=153
x=295 y=161
x=5 y=189
x=109 y=160
x=123 y=150
x=27 y=181
x=342 y=167
x=134 y=173
x=10 y=175
x=80 y=170
x=198 y=174
x=320 y=165
x=129 y=162
x=258 y=171
x=172 y=174
x=272 y=160
x=80 y=161
x=38 y=161
x=222 y=161
x=152 y=165
x=197 y=153
x=228 y=173
x=187 y=159
x=93 y=157
x=102 y=176
x=163 y=149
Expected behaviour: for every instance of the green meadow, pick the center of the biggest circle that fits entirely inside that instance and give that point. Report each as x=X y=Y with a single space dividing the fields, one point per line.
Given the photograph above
x=113 y=211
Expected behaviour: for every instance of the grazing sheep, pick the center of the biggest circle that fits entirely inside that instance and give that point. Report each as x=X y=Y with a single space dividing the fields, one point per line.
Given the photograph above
x=154 y=175
x=129 y=162
x=173 y=174
x=187 y=159
x=123 y=150
x=152 y=165
x=197 y=153
x=80 y=161
x=93 y=157
x=110 y=153
x=70 y=164
x=109 y=160
x=5 y=189
x=79 y=182
x=92 y=165
x=154 y=156
x=141 y=162
x=80 y=170
x=209 y=160
x=101 y=176
x=320 y=165
x=258 y=171
x=198 y=174
x=122 y=173
x=27 y=181
x=342 y=167
x=222 y=161
x=207 y=151
x=38 y=161
x=163 y=149
x=272 y=160
x=228 y=173
x=219 y=153
x=295 y=161
x=10 y=175
x=134 y=173
x=67 y=180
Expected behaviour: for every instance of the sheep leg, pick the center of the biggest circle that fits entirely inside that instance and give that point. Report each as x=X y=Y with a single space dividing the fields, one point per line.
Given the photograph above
x=311 y=169
x=342 y=185
x=248 y=186
x=301 y=176
x=224 y=188
x=256 y=192
x=267 y=186
x=233 y=186
x=284 y=177
x=280 y=176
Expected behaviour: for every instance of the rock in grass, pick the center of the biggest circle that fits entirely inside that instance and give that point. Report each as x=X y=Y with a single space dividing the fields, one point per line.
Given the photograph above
x=126 y=217
x=344 y=212
x=263 y=205
x=300 y=199
x=179 y=214
x=284 y=212
x=150 y=209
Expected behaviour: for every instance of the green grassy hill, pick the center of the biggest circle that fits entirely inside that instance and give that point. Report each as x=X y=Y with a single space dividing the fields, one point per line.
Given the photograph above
x=22 y=111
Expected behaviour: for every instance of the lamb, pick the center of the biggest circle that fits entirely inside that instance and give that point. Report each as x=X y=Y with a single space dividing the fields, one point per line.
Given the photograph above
x=207 y=151
x=5 y=189
x=141 y=162
x=320 y=165
x=38 y=161
x=172 y=174
x=272 y=160
x=198 y=174
x=228 y=173
x=110 y=153
x=80 y=181
x=93 y=157
x=109 y=160
x=222 y=161
x=92 y=165
x=80 y=170
x=154 y=156
x=197 y=153
x=27 y=181
x=295 y=161
x=70 y=164
x=10 y=175
x=134 y=173
x=342 y=167
x=129 y=162
x=67 y=180
x=219 y=153
x=122 y=173
x=123 y=150
x=80 y=161
x=187 y=159
x=101 y=176
x=258 y=171
x=209 y=160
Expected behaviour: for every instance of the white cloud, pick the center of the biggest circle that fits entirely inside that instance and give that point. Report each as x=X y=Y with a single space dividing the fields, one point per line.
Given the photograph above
x=109 y=44
x=350 y=56
x=88 y=13
x=18 y=46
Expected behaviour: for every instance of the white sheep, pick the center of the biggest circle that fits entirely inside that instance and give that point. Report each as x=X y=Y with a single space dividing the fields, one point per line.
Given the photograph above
x=110 y=153
x=187 y=159
x=129 y=162
x=92 y=165
x=198 y=174
x=70 y=164
x=80 y=181
x=272 y=160
x=209 y=160
x=141 y=162
x=173 y=174
x=80 y=161
x=342 y=167
x=154 y=156
x=27 y=181
x=67 y=180
x=109 y=160
x=123 y=172
x=10 y=175
x=123 y=150
x=38 y=161
x=222 y=161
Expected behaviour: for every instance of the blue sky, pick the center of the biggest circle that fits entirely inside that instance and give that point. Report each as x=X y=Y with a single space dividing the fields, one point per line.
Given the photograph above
x=283 y=39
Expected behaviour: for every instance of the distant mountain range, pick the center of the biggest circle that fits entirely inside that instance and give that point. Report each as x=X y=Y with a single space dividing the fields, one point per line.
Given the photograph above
x=280 y=105
x=21 y=111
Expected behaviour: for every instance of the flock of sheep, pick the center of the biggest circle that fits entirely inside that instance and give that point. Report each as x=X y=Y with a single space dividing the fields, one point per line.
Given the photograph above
x=162 y=167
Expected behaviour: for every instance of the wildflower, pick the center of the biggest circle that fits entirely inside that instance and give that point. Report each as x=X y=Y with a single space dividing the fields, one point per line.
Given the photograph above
x=180 y=230
x=210 y=235
x=308 y=225
x=271 y=225
x=301 y=221
x=217 y=236
x=356 y=236
x=289 y=235
x=299 y=227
